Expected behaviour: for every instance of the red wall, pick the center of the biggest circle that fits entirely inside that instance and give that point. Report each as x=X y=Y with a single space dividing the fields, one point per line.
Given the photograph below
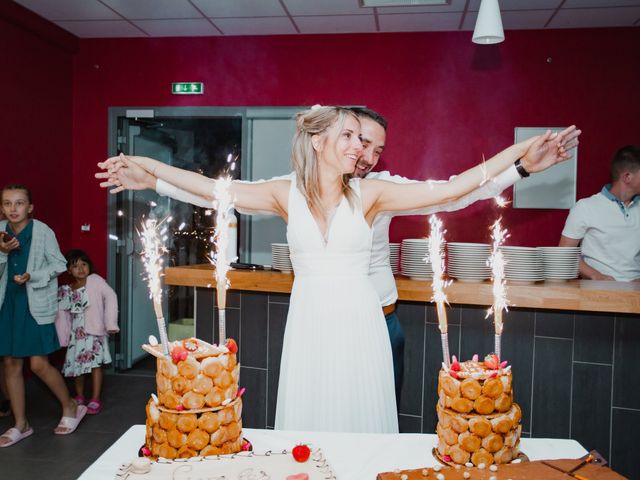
x=448 y=102
x=35 y=123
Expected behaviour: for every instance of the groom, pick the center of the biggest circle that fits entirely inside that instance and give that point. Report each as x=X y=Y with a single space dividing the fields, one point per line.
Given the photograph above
x=373 y=138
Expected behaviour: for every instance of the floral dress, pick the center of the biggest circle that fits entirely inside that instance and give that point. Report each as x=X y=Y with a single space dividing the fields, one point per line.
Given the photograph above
x=85 y=351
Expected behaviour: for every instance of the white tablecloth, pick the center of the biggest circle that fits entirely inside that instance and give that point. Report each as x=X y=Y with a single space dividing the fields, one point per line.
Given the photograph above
x=353 y=456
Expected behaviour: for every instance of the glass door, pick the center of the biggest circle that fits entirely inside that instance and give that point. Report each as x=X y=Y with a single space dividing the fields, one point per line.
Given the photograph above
x=182 y=139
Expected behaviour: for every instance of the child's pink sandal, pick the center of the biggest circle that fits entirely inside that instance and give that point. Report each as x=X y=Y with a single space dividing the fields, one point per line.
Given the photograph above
x=79 y=399
x=94 y=406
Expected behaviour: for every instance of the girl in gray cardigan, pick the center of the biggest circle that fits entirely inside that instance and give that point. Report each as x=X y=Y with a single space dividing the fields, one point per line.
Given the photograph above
x=30 y=262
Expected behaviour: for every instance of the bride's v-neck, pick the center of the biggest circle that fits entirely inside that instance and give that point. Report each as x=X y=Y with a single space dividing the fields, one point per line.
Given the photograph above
x=325 y=236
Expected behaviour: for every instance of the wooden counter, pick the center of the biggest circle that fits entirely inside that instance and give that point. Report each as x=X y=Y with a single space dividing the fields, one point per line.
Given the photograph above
x=577 y=295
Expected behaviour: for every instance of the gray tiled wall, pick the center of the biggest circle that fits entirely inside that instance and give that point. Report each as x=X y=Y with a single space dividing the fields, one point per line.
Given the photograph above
x=569 y=375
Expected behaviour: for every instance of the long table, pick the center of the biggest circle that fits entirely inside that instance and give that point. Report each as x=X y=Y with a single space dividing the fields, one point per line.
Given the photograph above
x=353 y=456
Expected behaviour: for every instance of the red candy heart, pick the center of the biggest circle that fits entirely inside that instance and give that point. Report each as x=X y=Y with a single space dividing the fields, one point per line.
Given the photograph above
x=298 y=476
x=301 y=453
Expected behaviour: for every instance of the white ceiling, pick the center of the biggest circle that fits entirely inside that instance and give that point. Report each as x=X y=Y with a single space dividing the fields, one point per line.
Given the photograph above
x=189 y=18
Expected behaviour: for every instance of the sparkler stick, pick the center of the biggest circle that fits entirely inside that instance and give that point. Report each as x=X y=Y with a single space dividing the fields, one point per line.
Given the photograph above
x=224 y=207
x=153 y=250
x=438 y=285
x=496 y=262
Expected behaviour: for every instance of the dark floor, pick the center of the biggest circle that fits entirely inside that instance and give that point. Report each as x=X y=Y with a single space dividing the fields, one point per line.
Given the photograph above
x=45 y=455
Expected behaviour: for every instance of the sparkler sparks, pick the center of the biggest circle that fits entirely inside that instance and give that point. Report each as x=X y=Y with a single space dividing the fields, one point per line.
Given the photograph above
x=436 y=239
x=501 y=202
x=224 y=207
x=496 y=262
x=153 y=251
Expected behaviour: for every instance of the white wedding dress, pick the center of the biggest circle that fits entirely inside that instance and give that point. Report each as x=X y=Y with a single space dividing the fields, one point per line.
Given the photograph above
x=336 y=372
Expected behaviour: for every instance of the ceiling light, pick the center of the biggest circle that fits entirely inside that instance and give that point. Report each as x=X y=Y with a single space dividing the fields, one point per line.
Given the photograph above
x=401 y=3
x=489 y=24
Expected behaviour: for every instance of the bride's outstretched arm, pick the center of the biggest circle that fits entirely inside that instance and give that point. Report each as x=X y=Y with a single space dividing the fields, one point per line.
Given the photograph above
x=136 y=173
x=544 y=151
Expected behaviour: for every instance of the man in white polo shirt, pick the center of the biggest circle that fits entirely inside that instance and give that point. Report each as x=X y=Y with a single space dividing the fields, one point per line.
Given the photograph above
x=607 y=224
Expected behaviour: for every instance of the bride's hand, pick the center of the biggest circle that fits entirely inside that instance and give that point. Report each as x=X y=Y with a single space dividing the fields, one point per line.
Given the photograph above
x=125 y=173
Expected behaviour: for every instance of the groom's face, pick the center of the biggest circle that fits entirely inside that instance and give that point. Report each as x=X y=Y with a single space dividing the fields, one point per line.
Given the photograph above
x=372 y=136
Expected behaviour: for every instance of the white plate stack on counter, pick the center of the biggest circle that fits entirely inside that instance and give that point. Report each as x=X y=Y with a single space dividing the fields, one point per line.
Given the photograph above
x=467 y=262
x=522 y=264
x=280 y=257
x=414 y=261
x=560 y=263
x=394 y=257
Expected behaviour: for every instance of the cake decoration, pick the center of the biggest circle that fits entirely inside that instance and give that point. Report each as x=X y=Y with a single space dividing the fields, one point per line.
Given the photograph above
x=240 y=466
x=301 y=453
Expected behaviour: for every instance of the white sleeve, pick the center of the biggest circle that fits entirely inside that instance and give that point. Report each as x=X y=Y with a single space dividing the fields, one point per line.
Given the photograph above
x=166 y=189
x=575 y=227
x=490 y=189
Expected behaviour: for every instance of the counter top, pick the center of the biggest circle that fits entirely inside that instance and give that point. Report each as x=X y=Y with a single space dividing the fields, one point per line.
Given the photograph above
x=577 y=295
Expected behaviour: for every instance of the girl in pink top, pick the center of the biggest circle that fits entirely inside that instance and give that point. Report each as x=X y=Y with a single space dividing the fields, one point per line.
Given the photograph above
x=87 y=315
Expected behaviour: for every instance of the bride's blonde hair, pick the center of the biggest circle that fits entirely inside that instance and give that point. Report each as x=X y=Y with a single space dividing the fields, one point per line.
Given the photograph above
x=304 y=157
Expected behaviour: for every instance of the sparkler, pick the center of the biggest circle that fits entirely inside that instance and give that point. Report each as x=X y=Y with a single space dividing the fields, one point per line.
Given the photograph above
x=438 y=285
x=496 y=262
x=224 y=205
x=153 y=250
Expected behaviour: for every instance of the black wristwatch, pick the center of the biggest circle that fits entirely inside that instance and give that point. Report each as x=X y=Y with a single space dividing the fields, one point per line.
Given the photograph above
x=521 y=170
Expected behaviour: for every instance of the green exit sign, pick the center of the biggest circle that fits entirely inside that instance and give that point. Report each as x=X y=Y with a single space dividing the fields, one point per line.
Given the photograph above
x=187 y=88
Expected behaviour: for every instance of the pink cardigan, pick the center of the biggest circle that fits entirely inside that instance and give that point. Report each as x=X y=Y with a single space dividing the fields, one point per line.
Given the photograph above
x=100 y=316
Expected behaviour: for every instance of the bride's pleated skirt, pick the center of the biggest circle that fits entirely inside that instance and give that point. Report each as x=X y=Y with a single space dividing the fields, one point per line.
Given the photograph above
x=336 y=371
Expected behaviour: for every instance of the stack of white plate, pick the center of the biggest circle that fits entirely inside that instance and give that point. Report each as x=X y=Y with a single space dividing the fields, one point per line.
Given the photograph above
x=415 y=261
x=394 y=257
x=522 y=264
x=560 y=263
x=280 y=257
x=467 y=262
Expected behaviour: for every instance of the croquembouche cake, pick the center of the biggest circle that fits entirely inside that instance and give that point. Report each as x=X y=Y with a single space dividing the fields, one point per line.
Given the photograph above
x=197 y=409
x=478 y=421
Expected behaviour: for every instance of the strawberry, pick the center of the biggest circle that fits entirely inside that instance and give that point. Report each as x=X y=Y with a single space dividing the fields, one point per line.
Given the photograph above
x=232 y=345
x=453 y=374
x=178 y=353
x=492 y=361
x=301 y=453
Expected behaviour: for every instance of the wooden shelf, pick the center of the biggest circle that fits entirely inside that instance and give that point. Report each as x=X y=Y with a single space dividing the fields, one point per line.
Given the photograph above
x=577 y=295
